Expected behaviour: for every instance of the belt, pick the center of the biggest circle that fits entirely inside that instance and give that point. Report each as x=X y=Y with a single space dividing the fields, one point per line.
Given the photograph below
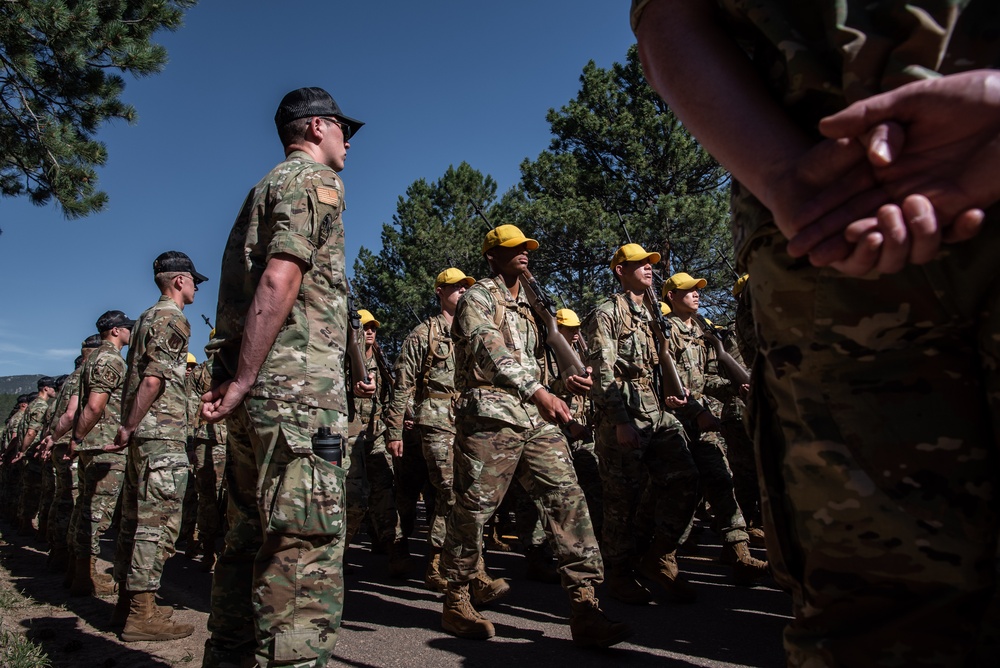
x=443 y=395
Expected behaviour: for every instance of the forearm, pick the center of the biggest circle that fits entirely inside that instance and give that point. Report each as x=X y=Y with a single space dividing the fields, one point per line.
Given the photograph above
x=710 y=85
x=65 y=420
x=89 y=414
x=29 y=437
x=272 y=302
x=149 y=389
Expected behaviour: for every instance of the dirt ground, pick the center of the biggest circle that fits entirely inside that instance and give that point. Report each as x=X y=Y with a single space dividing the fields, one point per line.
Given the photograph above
x=74 y=631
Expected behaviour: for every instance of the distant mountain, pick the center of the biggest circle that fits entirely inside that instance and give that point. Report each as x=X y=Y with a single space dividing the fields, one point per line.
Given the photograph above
x=18 y=384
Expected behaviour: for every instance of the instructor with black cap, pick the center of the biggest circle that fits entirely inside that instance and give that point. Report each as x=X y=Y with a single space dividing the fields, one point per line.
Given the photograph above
x=278 y=377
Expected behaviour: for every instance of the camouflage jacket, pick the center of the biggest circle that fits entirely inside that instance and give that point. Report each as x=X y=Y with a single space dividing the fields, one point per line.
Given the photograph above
x=698 y=368
x=103 y=373
x=198 y=382
x=158 y=349
x=499 y=356
x=295 y=210
x=13 y=426
x=622 y=352
x=34 y=419
x=70 y=389
x=808 y=54
x=425 y=373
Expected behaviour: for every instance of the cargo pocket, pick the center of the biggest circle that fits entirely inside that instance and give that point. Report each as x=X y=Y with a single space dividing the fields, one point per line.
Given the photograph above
x=309 y=500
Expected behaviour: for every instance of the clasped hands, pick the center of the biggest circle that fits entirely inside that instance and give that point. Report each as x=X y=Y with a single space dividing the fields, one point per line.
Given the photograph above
x=899 y=174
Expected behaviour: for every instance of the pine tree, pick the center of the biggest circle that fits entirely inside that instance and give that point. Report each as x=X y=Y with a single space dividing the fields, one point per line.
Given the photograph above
x=60 y=79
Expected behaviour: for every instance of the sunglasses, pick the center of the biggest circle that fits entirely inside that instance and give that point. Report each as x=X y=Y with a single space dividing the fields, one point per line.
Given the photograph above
x=344 y=127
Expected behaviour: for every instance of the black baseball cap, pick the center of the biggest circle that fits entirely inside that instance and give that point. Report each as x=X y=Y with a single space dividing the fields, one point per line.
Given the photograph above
x=92 y=341
x=176 y=261
x=111 y=319
x=22 y=398
x=46 y=381
x=306 y=102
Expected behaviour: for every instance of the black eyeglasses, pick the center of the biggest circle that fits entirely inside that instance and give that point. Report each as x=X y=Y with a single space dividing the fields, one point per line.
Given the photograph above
x=344 y=127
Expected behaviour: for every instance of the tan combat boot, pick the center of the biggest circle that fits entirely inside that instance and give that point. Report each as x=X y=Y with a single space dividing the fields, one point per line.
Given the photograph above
x=58 y=558
x=460 y=619
x=86 y=579
x=486 y=590
x=145 y=623
x=399 y=558
x=659 y=564
x=207 y=553
x=746 y=569
x=589 y=626
x=120 y=613
x=433 y=579
x=70 y=569
x=622 y=586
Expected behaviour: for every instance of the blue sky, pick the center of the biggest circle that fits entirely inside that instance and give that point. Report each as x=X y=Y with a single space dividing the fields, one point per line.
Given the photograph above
x=437 y=83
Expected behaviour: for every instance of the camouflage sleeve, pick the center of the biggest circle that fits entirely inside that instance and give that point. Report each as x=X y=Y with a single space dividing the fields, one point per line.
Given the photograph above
x=107 y=374
x=690 y=377
x=305 y=213
x=406 y=371
x=167 y=345
x=474 y=321
x=36 y=416
x=602 y=348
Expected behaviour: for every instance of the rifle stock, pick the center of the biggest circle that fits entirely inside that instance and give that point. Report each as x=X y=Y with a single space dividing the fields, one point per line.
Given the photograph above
x=355 y=342
x=566 y=358
x=670 y=380
x=733 y=370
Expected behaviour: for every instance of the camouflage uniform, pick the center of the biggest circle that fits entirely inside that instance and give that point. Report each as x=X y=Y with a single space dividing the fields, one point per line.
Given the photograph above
x=157 y=465
x=371 y=468
x=279 y=578
x=660 y=473
x=103 y=472
x=11 y=473
x=31 y=466
x=697 y=368
x=499 y=364
x=65 y=472
x=425 y=374
x=207 y=454
x=875 y=400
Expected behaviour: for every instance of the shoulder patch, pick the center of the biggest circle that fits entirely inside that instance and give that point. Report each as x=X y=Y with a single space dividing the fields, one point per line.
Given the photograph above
x=328 y=196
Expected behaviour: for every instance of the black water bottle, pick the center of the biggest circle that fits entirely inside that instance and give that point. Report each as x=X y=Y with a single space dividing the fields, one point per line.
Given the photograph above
x=327 y=446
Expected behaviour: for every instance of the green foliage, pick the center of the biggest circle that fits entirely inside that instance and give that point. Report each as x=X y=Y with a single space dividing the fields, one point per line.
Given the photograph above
x=618 y=149
x=59 y=82
x=434 y=228
x=17 y=651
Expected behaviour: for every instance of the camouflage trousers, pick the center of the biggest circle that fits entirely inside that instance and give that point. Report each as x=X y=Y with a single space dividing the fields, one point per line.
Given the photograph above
x=100 y=485
x=63 y=497
x=47 y=493
x=278 y=587
x=438 y=445
x=740 y=454
x=371 y=489
x=659 y=477
x=411 y=479
x=156 y=475
x=716 y=478
x=878 y=448
x=588 y=472
x=201 y=498
x=488 y=454
x=31 y=487
x=9 y=489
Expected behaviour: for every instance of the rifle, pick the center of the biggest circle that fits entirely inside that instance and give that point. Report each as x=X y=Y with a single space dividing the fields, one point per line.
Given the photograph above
x=731 y=369
x=207 y=321
x=566 y=358
x=726 y=260
x=355 y=340
x=670 y=381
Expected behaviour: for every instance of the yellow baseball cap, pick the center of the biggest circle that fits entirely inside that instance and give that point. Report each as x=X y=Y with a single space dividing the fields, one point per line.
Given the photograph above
x=192 y=359
x=631 y=253
x=451 y=276
x=740 y=283
x=507 y=236
x=682 y=281
x=665 y=308
x=567 y=318
x=367 y=317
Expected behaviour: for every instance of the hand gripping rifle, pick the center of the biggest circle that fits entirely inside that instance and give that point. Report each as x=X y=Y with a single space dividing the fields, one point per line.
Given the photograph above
x=566 y=358
x=670 y=384
x=731 y=369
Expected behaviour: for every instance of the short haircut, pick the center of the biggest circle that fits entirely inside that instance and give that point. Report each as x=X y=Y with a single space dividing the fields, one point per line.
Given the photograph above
x=164 y=277
x=294 y=131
